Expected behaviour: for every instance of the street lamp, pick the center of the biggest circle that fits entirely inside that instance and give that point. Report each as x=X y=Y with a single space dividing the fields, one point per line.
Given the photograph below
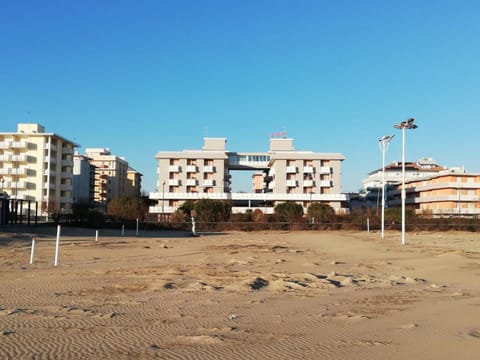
x=383 y=143
x=407 y=124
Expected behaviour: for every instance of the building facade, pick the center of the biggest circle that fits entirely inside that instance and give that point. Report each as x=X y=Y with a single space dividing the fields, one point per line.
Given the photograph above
x=287 y=175
x=37 y=166
x=110 y=175
x=448 y=193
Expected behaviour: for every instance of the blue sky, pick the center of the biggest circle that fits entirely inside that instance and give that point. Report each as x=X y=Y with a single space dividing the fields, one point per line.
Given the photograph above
x=140 y=77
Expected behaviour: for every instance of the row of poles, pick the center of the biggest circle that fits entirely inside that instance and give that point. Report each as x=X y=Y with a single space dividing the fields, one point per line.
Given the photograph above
x=57 y=241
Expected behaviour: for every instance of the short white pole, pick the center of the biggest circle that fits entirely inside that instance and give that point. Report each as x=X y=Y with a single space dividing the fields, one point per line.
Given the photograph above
x=57 y=245
x=32 y=253
x=137 y=227
x=193 y=227
x=123 y=230
x=96 y=235
x=368 y=224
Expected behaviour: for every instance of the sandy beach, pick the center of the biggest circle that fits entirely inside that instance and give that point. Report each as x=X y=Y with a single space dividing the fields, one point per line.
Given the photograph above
x=259 y=295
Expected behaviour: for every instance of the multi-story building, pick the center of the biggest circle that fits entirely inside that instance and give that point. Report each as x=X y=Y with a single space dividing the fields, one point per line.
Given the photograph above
x=37 y=166
x=83 y=180
x=288 y=175
x=448 y=193
x=110 y=175
x=422 y=168
x=134 y=182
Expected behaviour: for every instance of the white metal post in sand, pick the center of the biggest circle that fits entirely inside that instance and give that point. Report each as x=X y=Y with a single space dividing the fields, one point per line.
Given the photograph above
x=123 y=230
x=57 y=245
x=96 y=235
x=32 y=252
x=137 y=228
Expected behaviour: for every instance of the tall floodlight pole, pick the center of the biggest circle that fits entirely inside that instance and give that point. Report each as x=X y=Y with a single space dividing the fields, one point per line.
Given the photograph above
x=407 y=124
x=383 y=142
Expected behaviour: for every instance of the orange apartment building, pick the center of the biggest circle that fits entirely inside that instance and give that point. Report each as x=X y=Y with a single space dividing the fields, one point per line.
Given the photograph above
x=445 y=194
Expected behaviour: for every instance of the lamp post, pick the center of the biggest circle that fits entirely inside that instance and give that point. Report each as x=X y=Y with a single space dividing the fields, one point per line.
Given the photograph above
x=383 y=143
x=163 y=200
x=407 y=124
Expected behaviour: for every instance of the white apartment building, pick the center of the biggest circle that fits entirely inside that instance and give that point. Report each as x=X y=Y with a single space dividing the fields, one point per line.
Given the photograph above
x=422 y=168
x=110 y=177
x=289 y=175
x=37 y=166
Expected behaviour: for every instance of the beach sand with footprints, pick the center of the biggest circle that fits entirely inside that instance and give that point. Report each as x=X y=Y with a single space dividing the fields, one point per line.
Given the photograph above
x=235 y=295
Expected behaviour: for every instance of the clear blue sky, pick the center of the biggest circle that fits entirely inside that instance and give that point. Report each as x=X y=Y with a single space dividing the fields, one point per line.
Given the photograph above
x=140 y=77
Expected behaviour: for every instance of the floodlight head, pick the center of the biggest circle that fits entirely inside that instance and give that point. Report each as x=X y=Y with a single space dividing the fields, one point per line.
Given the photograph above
x=407 y=124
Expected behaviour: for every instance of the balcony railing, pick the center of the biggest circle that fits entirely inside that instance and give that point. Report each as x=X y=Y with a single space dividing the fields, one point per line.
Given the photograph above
x=325 y=170
x=292 y=183
x=17 y=185
x=5 y=171
x=5 y=158
x=308 y=183
x=174 y=168
x=208 y=182
x=291 y=169
x=19 y=158
x=325 y=183
x=52 y=147
x=5 y=144
x=191 y=182
x=50 y=160
x=308 y=169
x=18 y=145
x=192 y=168
x=19 y=171
x=174 y=182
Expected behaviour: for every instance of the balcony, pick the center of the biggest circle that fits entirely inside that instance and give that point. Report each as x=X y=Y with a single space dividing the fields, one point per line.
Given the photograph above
x=18 y=145
x=308 y=183
x=18 y=185
x=50 y=160
x=191 y=182
x=47 y=173
x=291 y=170
x=308 y=170
x=192 y=169
x=67 y=163
x=19 y=158
x=325 y=183
x=208 y=182
x=19 y=171
x=292 y=183
x=173 y=182
x=174 y=168
x=5 y=171
x=5 y=158
x=208 y=169
x=51 y=147
x=325 y=170
x=5 y=144
x=49 y=186
x=65 y=187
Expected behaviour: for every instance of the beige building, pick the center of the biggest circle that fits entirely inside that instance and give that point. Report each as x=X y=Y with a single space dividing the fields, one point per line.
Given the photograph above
x=288 y=175
x=37 y=166
x=110 y=175
x=134 y=182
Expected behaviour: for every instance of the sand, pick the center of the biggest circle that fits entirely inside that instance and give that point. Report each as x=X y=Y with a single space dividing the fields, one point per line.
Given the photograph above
x=261 y=295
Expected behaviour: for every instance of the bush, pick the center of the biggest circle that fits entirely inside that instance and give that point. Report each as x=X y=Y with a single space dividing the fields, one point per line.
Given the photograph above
x=289 y=212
